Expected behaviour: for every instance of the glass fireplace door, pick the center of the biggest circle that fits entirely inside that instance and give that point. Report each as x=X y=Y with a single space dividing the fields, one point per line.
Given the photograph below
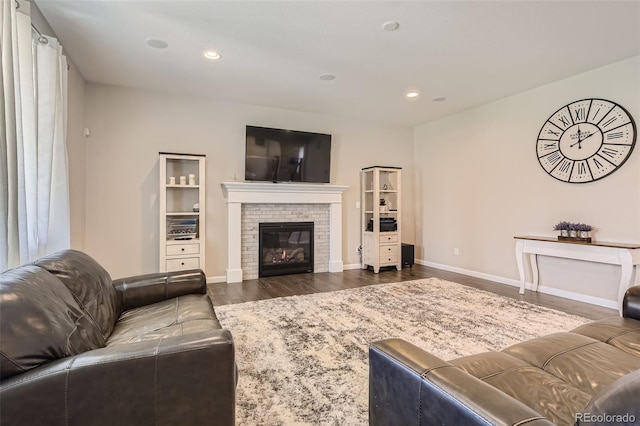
x=285 y=248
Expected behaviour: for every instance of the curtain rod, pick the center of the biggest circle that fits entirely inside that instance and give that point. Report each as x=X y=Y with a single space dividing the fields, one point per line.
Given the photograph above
x=41 y=38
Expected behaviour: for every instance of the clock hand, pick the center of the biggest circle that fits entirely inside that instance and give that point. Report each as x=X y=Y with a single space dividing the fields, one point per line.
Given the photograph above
x=579 y=140
x=587 y=137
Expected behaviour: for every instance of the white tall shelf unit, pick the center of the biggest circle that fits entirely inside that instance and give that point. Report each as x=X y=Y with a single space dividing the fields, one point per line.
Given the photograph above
x=381 y=248
x=181 y=252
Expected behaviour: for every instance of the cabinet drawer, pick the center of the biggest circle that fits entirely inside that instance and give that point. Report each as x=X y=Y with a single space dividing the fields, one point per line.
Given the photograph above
x=182 y=264
x=388 y=250
x=176 y=249
x=388 y=254
x=390 y=238
x=388 y=259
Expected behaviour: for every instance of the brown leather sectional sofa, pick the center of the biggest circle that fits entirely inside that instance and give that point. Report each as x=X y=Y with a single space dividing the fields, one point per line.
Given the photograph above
x=590 y=375
x=77 y=348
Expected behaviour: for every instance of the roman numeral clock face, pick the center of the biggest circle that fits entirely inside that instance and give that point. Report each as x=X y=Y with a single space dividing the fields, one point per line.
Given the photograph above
x=586 y=140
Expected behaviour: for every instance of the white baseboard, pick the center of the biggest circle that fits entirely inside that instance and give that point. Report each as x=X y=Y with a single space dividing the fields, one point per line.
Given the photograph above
x=598 y=301
x=352 y=266
x=223 y=279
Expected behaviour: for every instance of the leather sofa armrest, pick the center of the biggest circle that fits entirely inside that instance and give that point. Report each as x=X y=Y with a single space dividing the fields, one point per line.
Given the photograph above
x=620 y=398
x=631 y=303
x=178 y=380
x=410 y=386
x=146 y=289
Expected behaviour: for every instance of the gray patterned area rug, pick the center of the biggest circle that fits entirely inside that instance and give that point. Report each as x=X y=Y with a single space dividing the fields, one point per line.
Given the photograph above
x=303 y=360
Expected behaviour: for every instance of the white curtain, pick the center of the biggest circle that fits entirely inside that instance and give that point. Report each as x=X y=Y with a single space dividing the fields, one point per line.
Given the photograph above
x=34 y=196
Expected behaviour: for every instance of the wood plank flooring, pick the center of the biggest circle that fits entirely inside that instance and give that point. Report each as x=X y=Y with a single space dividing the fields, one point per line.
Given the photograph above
x=290 y=285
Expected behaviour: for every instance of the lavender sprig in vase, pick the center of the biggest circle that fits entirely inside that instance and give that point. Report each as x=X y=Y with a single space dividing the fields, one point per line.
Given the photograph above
x=583 y=230
x=563 y=227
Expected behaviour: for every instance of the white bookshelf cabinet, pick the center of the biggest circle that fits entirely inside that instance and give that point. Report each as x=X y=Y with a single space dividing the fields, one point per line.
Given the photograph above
x=182 y=211
x=381 y=206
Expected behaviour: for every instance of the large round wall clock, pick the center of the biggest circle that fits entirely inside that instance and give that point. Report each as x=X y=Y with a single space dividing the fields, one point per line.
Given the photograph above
x=586 y=140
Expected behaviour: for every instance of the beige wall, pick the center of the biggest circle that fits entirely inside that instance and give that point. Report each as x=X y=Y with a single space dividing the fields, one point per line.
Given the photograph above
x=76 y=155
x=479 y=183
x=128 y=129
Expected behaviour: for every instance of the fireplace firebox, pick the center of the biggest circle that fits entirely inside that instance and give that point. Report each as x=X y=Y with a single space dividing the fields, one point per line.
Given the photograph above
x=285 y=248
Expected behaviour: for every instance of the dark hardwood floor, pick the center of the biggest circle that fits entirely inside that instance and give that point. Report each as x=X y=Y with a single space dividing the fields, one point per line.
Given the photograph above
x=290 y=285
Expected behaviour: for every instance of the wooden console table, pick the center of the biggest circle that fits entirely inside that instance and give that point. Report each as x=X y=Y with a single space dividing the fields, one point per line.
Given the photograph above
x=625 y=255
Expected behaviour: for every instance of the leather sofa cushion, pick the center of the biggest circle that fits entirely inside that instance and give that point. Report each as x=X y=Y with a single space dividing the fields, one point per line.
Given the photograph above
x=39 y=321
x=90 y=285
x=541 y=391
x=560 y=374
x=622 y=333
x=487 y=364
x=588 y=364
x=174 y=317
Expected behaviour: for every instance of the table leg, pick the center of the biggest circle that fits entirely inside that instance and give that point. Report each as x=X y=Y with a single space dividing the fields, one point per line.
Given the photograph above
x=626 y=273
x=520 y=262
x=534 y=270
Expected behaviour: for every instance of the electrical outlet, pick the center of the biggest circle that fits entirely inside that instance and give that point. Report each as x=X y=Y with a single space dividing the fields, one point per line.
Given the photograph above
x=359 y=249
x=456 y=252
x=357 y=204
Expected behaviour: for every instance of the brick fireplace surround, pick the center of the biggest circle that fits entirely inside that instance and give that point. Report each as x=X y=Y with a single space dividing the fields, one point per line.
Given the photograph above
x=249 y=203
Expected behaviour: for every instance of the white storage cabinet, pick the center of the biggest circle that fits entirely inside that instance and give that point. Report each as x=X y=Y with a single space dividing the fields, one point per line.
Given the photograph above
x=182 y=211
x=381 y=206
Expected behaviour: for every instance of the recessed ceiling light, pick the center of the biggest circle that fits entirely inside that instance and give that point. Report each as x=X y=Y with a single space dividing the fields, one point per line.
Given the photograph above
x=157 y=44
x=390 y=26
x=327 y=77
x=210 y=54
x=439 y=99
x=412 y=94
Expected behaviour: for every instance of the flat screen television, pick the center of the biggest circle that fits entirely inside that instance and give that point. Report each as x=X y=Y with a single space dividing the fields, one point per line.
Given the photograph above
x=279 y=155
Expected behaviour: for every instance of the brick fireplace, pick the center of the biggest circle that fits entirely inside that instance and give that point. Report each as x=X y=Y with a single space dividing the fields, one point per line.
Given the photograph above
x=253 y=215
x=252 y=203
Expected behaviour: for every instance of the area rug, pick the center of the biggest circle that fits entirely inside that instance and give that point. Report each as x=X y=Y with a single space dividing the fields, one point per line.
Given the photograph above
x=303 y=360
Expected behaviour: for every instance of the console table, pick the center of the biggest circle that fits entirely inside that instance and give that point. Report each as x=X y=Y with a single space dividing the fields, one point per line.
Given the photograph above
x=625 y=255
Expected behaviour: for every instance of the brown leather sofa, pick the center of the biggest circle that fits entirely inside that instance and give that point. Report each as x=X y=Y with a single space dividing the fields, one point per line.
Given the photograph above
x=77 y=348
x=590 y=375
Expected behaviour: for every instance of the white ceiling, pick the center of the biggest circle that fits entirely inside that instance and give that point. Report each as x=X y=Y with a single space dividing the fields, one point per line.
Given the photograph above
x=273 y=52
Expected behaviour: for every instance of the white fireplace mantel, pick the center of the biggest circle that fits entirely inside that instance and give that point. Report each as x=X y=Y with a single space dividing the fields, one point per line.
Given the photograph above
x=238 y=193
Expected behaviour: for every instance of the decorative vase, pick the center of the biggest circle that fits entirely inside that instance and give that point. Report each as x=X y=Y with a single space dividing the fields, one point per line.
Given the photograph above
x=573 y=234
x=583 y=234
x=564 y=233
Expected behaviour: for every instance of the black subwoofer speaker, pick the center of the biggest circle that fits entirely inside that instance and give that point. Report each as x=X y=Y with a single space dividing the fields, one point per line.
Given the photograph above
x=407 y=255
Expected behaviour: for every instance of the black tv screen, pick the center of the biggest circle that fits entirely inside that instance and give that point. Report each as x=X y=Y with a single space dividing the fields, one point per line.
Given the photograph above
x=279 y=155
